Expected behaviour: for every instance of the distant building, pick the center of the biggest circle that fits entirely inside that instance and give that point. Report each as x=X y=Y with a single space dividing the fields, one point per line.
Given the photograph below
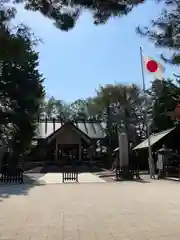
x=60 y=141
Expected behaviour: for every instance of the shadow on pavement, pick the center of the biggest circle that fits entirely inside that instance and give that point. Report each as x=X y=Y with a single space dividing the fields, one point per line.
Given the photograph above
x=141 y=181
x=133 y=180
x=9 y=189
x=52 y=168
x=172 y=179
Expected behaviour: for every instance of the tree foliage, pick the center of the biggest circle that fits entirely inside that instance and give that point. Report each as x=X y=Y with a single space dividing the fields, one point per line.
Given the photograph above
x=65 y=13
x=21 y=89
x=118 y=105
x=164 y=32
x=164 y=94
x=123 y=107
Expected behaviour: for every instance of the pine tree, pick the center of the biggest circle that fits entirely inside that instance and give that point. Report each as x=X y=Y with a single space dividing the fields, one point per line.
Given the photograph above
x=165 y=30
x=163 y=93
x=21 y=89
x=65 y=13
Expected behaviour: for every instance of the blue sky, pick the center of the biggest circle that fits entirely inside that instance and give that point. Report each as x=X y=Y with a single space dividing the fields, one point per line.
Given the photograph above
x=75 y=63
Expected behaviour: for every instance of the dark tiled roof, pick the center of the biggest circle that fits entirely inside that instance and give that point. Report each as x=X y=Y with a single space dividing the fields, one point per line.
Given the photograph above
x=94 y=130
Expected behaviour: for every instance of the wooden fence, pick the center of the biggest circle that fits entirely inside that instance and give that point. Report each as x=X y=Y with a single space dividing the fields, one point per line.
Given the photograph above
x=10 y=175
x=124 y=174
x=70 y=175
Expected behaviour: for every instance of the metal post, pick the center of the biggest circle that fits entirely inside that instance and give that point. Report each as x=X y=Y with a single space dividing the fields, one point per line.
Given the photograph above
x=109 y=125
x=150 y=158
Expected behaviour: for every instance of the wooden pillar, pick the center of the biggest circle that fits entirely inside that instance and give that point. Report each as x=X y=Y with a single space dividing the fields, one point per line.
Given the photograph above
x=80 y=152
x=54 y=124
x=91 y=153
x=1 y=157
x=56 y=153
x=46 y=120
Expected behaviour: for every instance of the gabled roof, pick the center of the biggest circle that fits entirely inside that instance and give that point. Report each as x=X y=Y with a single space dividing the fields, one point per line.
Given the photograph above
x=153 y=139
x=85 y=137
x=94 y=130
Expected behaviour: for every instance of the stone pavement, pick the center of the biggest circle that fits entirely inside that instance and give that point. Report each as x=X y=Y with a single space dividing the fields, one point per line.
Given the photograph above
x=109 y=211
x=82 y=178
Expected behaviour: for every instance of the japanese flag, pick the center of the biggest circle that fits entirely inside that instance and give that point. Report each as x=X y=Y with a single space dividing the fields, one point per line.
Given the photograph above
x=154 y=67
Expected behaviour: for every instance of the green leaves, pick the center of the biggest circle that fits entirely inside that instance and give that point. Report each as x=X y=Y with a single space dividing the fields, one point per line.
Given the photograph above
x=21 y=87
x=65 y=13
x=163 y=94
x=164 y=31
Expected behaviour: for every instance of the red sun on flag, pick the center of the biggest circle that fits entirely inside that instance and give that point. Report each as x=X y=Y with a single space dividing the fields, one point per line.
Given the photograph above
x=152 y=66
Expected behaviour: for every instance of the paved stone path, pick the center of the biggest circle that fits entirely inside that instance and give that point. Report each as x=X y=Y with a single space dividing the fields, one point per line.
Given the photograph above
x=109 y=211
x=82 y=178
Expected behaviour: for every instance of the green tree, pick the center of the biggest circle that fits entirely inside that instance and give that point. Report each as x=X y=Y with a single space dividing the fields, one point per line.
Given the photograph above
x=21 y=89
x=65 y=13
x=163 y=95
x=164 y=31
x=50 y=108
x=54 y=108
x=121 y=107
x=79 y=110
x=63 y=110
x=94 y=110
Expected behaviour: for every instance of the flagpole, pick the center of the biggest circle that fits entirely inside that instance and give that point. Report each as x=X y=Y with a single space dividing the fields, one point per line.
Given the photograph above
x=150 y=159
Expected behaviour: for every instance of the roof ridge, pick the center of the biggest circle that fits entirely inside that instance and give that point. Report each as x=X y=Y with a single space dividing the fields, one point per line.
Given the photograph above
x=155 y=134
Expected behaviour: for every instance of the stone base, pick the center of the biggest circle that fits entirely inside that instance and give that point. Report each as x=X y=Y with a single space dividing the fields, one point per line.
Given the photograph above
x=124 y=174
